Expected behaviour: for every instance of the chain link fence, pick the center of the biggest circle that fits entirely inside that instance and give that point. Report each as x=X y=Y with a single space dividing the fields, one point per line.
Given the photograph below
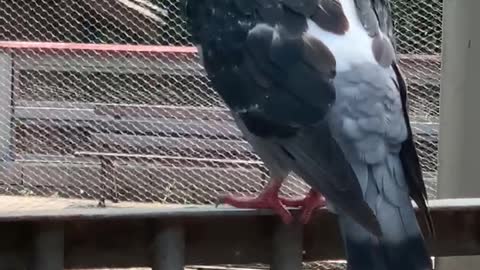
x=98 y=109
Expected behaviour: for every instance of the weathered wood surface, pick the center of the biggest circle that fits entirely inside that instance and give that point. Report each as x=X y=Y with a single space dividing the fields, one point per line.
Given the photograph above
x=122 y=237
x=418 y=68
x=6 y=75
x=48 y=247
x=287 y=247
x=30 y=204
x=168 y=249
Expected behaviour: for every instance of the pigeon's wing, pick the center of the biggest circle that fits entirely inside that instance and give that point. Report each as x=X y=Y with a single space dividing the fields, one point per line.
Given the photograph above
x=278 y=79
x=408 y=153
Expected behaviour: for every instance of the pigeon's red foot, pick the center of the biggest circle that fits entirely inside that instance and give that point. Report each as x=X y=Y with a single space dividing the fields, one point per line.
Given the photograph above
x=268 y=199
x=310 y=203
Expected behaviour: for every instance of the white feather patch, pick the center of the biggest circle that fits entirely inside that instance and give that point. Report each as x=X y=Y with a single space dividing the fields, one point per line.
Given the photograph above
x=353 y=47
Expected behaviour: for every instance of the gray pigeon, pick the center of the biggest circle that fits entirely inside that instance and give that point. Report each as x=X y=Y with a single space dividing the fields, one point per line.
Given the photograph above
x=315 y=88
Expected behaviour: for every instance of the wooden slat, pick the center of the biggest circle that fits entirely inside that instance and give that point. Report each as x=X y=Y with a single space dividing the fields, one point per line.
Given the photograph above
x=149 y=119
x=48 y=247
x=158 y=182
x=84 y=62
x=169 y=248
x=139 y=14
x=9 y=174
x=58 y=174
x=122 y=157
x=139 y=142
x=164 y=112
x=158 y=60
x=197 y=122
x=66 y=113
x=287 y=247
x=6 y=73
x=421 y=69
x=56 y=47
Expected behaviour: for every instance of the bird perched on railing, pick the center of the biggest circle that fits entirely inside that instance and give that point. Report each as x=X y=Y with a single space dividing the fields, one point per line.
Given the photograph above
x=315 y=88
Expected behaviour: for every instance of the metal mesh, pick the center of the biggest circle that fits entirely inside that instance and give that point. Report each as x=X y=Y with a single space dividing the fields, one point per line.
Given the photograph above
x=124 y=119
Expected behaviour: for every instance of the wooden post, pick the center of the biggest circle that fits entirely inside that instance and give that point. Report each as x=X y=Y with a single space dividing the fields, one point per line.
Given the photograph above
x=169 y=248
x=48 y=247
x=287 y=245
x=6 y=74
x=459 y=148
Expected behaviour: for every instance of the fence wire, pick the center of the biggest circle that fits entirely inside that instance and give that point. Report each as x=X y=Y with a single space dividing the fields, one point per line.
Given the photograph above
x=131 y=122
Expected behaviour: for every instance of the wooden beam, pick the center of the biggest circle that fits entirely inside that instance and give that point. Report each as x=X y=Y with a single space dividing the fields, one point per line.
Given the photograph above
x=48 y=247
x=169 y=247
x=149 y=119
x=58 y=55
x=6 y=73
x=96 y=48
x=287 y=247
x=116 y=238
x=168 y=122
x=162 y=183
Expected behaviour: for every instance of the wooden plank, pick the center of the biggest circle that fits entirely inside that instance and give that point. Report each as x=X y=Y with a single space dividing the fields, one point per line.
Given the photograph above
x=418 y=74
x=59 y=174
x=87 y=62
x=122 y=117
x=136 y=181
x=146 y=158
x=24 y=110
x=189 y=54
x=18 y=204
x=169 y=248
x=48 y=247
x=145 y=119
x=109 y=237
x=66 y=137
x=421 y=69
x=6 y=73
x=125 y=49
x=139 y=14
x=9 y=173
x=287 y=247
x=176 y=112
x=99 y=120
x=139 y=142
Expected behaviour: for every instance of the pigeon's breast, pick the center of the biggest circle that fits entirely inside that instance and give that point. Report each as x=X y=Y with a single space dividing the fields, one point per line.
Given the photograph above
x=352 y=47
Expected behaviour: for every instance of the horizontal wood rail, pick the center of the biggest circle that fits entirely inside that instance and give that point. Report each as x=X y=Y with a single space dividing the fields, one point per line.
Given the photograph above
x=115 y=48
x=94 y=237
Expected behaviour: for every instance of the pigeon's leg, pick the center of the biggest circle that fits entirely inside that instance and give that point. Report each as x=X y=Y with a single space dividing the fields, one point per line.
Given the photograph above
x=308 y=204
x=267 y=199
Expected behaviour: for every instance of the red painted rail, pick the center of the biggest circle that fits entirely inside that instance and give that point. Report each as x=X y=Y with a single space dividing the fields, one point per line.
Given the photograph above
x=108 y=48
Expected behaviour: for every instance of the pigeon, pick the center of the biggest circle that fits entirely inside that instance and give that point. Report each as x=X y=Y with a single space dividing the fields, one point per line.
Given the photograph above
x=315 y=88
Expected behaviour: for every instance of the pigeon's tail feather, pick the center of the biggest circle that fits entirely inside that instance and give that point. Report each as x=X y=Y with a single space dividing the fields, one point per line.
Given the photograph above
x=317 y=158
x=402 y=245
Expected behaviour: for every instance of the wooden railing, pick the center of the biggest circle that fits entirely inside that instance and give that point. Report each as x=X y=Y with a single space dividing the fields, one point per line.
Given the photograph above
x=171 y=237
